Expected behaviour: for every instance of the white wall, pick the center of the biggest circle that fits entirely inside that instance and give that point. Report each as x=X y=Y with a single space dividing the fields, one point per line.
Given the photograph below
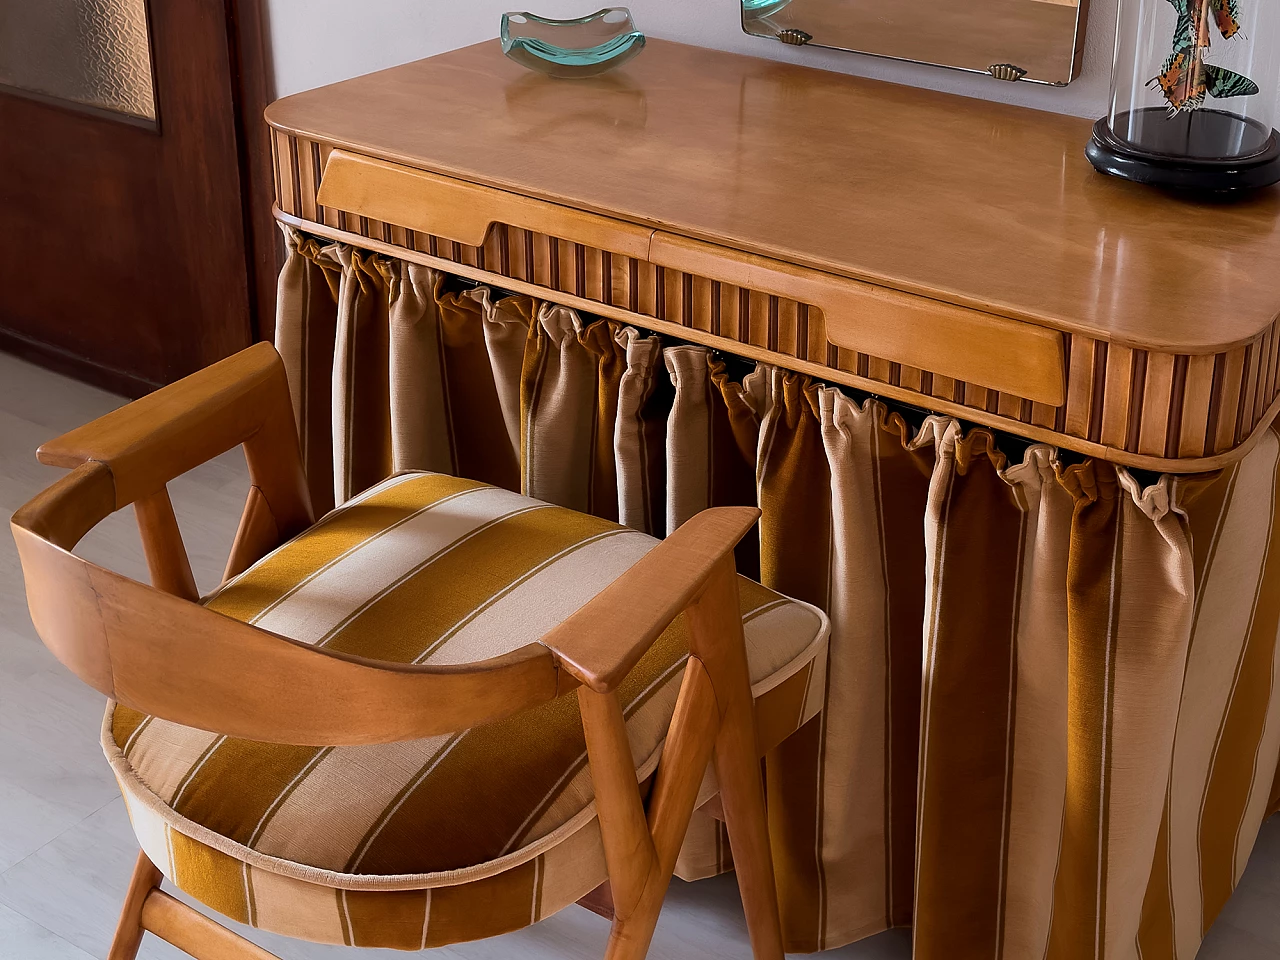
x=315 y=42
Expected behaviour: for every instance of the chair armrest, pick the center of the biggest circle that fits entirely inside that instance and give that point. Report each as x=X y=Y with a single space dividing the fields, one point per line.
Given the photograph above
x=150 y=441
x=601 y=642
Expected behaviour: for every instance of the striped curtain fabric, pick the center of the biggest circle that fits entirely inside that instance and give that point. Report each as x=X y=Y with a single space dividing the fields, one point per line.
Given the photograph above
x=1050 y=728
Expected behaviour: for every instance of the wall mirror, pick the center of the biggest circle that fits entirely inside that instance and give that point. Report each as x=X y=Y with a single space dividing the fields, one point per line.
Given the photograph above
x=1035 y=40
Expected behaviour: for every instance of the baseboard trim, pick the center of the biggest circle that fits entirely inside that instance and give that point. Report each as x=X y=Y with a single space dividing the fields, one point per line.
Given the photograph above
x=79 y=368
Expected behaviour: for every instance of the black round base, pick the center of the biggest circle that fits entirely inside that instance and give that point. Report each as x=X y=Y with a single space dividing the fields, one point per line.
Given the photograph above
x=1110 y=155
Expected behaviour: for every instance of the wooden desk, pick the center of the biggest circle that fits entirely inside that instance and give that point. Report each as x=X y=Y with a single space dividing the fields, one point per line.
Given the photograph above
x=952 y=253
x=1050 y=729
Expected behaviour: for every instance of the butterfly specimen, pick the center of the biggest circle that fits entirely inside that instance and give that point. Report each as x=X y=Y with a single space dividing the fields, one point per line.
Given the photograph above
x=1227 y=17
x=1185 y=79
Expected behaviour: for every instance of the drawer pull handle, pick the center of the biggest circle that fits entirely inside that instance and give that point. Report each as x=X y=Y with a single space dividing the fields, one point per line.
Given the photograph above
x=460 y=210
x=999 y=353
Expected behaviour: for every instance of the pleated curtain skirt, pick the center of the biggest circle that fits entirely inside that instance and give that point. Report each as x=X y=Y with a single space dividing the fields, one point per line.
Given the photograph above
x=1051 y=726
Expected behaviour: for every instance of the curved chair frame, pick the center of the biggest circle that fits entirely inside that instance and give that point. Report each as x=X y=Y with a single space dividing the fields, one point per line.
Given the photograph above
x=157 y=650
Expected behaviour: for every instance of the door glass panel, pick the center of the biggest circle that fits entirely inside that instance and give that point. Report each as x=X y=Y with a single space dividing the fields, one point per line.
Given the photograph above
x=91 y=52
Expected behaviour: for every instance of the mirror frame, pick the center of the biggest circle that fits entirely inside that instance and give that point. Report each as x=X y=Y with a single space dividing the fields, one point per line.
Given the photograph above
x=999 y=71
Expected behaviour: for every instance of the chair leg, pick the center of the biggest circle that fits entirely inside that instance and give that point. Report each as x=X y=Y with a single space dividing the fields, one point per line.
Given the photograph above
x=715 y=627
x=146 y=877
x=629 y=939
x=738 y=771
x=147 y=908
x=641 y=855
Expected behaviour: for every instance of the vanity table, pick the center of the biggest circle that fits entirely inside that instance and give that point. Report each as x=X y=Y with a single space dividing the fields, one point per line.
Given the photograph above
x=946 y=255
x=947 y=252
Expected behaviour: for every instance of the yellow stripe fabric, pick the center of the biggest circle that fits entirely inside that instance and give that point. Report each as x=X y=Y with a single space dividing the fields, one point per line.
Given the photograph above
x=394 y=919
x=1125 y=653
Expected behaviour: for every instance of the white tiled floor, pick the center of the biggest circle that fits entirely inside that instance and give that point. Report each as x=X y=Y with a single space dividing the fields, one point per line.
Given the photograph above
x=65 y=844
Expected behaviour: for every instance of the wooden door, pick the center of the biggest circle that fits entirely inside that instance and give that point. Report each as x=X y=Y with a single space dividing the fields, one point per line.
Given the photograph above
x=132 y=243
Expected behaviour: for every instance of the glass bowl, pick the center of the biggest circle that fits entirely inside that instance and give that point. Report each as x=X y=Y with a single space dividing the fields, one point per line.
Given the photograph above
x=568 y=49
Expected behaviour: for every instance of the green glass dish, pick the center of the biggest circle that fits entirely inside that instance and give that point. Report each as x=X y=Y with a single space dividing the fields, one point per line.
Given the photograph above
x=570 y=49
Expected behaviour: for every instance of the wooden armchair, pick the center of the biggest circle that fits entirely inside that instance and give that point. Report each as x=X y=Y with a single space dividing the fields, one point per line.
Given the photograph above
x=388 y=651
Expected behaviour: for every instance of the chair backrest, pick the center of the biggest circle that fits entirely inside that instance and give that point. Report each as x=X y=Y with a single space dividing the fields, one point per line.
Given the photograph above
x=156 y=649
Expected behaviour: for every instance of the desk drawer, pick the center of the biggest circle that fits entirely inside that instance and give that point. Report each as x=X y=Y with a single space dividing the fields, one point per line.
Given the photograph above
x=961 y=344
x=954 y=342
x=1136 y=406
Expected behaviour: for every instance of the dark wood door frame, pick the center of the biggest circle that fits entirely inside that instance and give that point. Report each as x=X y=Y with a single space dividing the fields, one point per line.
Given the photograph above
x=87 y=353
x=255 y=88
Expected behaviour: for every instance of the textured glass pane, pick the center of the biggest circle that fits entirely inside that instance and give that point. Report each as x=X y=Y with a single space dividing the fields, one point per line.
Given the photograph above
x=94 y=52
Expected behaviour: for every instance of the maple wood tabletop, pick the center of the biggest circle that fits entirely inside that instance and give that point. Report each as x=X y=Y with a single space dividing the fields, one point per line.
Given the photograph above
x=977 y=203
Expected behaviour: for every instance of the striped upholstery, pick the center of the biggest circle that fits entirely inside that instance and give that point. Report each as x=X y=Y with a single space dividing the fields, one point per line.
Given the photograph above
x=986 y=828
x=441 y=839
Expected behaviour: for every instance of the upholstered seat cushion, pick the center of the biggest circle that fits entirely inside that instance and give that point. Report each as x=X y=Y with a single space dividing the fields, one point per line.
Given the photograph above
x=423 y=568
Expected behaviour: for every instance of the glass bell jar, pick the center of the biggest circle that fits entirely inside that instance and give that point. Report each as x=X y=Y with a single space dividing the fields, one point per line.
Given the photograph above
x=1193 y=95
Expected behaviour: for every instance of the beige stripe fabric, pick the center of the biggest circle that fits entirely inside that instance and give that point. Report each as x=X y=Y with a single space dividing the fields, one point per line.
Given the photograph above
x=1050 y=725
x=843 y=496
x=482 y=350
x=307 y=302
x=1225 y=740
x=569 y=402
x=418 y=420
x=712 y=432
x=1125 y=635
x=447 y=388
x=361 y=430
x=640 y=431
x=876 y=487
x=1036 y=783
